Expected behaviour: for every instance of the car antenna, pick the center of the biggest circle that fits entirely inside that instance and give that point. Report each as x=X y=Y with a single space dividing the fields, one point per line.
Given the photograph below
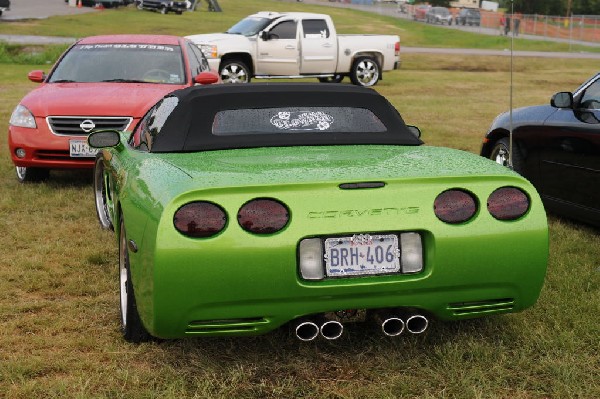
x=510 y=111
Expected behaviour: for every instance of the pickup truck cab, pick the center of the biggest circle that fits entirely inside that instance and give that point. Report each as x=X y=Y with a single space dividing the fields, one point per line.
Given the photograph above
x=297 y=45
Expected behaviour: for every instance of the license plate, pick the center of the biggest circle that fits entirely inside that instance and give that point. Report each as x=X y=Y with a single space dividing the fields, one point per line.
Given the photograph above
x=361 y=254
x=81 y=149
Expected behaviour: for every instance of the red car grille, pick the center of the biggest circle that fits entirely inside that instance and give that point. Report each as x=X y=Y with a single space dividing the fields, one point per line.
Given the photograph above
x=52 y=155
x=71 y=125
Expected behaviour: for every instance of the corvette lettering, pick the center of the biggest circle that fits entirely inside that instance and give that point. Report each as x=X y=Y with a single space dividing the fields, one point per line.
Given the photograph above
x=355 y=213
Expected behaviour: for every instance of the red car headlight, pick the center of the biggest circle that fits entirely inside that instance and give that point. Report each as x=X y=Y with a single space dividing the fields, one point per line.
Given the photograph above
x=263 y=216
x=508 y=203
x=200 y=219
x=455 y=206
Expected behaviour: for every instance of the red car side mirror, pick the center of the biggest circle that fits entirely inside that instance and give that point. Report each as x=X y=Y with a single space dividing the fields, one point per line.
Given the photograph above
x=36 y=76
x=206 y=78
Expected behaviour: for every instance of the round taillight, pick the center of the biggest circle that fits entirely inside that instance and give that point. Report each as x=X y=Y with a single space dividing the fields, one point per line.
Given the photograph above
x=200 y=219
x=508 y=203
x=263 y=216
x=455 y=206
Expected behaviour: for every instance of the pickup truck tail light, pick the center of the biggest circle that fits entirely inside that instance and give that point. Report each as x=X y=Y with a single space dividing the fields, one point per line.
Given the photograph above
x=200 y=219
x=397 y=49
x=455 y=206
x=263 y=216
x=508 y=203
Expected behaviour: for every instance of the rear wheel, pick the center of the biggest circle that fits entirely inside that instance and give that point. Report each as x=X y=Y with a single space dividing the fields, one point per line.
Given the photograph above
x=27 y=174
x=365 y=72
x=164 y=10
x=131 y=325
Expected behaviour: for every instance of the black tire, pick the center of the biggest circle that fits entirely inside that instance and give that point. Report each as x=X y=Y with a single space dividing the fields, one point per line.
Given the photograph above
x=234 y=71
x=131 y=325
x=29 y=175
x=501 y=153
x=102 y=194
x=140 y=6
x=164 y=10
x=332 y=79
x=365 y=72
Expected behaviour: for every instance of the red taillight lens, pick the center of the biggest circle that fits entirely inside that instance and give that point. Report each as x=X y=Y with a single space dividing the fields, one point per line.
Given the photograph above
x=263 y=216
x=508 y=203
x=455 y=206
x=397 y=48
x=200 y=219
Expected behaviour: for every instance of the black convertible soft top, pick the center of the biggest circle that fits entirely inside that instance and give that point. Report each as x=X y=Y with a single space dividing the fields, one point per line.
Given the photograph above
x=279 y=114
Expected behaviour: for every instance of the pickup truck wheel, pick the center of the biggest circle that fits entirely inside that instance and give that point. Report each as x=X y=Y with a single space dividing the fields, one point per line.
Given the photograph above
x=234 y=71
x=140 y=6
x=332 y=79
x=164 y=10
x=365 y=72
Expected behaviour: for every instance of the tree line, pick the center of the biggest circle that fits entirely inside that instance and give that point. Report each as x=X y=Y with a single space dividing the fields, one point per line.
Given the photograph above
x=545 y=7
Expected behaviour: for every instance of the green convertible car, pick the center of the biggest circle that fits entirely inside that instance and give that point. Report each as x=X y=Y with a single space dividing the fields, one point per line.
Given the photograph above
x=239 y=209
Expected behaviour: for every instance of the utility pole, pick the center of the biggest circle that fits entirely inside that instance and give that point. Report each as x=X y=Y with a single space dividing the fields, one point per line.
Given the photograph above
x=569 y=2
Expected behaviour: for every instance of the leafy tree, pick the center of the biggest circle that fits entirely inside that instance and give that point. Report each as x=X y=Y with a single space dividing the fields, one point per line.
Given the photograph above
x=546 y=7
x=440 y=3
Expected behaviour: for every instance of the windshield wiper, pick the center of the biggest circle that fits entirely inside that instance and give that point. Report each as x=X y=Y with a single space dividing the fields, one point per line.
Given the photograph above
x=125 y=80
x=63 y=81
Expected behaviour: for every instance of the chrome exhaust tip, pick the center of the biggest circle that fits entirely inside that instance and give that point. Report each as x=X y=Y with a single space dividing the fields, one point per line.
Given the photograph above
x=331 y=329
x=417 y=324
x=306 y=330
x=392 y=326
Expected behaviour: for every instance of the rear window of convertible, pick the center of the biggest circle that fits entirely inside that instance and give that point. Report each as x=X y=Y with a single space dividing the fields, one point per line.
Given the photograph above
x=292 y=120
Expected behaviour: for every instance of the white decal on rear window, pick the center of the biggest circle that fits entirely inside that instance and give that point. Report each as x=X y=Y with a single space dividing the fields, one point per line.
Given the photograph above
x=302 y=120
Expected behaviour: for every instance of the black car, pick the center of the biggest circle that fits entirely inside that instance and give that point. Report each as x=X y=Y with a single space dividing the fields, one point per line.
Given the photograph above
x=163 y=6
x=4 y=6
x=468 y=16
x=556 y=147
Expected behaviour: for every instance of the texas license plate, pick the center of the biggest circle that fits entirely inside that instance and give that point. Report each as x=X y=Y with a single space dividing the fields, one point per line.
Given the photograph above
x=81 y=149
x=362 y=254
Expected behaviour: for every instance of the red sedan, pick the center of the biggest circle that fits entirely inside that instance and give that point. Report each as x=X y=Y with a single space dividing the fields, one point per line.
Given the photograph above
x=101 y=82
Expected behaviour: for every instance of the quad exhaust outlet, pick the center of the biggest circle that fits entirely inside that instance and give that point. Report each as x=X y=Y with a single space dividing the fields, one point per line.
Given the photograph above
x=392 y=325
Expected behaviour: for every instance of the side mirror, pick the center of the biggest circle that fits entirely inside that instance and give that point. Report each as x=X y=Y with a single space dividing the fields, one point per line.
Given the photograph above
x=264 y=35
x=414 y=130
x=104 y=138
x=563 y=99
x=206 y=78
x=36 y=76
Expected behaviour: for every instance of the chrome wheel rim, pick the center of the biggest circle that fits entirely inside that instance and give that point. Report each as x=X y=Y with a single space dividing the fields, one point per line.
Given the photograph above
x=501 y=156
x=367 y=72
x=100 y=194
x=123 y=276
x=21 y=172
x=234 y=73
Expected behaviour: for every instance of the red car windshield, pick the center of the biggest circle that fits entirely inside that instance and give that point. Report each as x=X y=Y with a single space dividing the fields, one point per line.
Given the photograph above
x=147 y=63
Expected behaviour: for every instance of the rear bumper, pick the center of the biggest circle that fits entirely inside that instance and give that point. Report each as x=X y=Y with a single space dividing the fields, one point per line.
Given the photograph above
x=219 y=291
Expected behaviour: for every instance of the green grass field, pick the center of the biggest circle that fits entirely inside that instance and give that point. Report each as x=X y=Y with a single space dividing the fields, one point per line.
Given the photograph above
x=59 y=326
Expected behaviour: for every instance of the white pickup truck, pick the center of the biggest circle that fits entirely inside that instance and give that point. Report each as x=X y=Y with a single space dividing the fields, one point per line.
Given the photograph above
x=297 y=45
